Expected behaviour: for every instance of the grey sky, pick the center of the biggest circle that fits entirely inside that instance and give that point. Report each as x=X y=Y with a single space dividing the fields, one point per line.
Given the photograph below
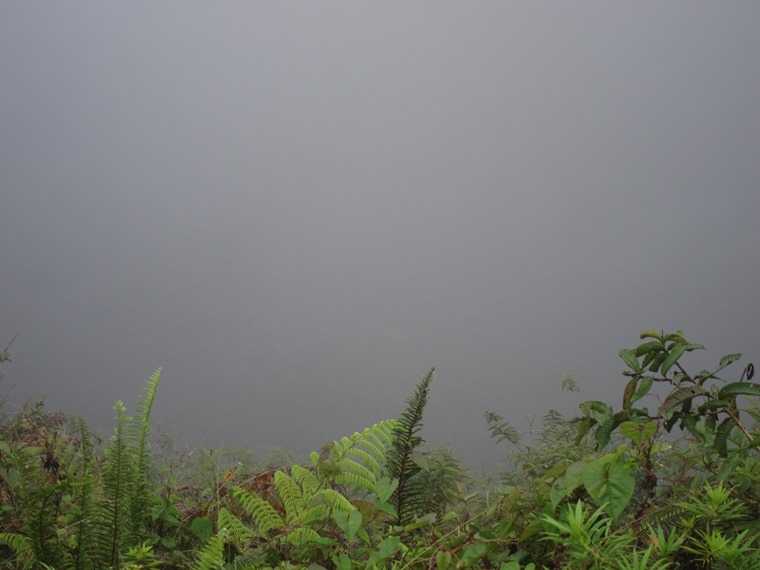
x=298 y=208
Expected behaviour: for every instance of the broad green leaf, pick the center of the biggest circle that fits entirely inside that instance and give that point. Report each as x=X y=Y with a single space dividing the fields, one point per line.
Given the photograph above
x=729 y=359
x=558 y=492
x=629 y=357
x=574 y=476
x=721 y=436
x=584 y=426
x=671 y=358
x=349 y=522
x=202 y=528
x=679 y=396
x=643 y=388
x=631 y=431
x=443 y=559
x=385 y=488
x=630 y=388
x=342 y=561
x=558 y=468
x=739 y=389
x=388 y=547
x=689 y=421
x=472 y=554
x=604 y=432
x=637 y=432
x=651 y=334
x=648 y=347
x=609 y=483
x=657 y=361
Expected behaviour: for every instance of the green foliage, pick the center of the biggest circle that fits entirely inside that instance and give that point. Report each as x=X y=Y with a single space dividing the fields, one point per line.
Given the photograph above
x=673 y=483
x=409 y=498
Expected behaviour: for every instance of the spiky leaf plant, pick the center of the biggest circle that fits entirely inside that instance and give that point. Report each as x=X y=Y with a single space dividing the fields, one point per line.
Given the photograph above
x=409 y=498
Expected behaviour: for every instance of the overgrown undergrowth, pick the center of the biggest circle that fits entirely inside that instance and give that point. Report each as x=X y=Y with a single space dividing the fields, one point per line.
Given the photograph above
x=661 y=481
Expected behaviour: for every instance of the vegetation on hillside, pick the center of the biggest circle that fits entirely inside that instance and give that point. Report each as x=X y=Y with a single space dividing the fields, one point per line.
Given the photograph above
x=670 y=478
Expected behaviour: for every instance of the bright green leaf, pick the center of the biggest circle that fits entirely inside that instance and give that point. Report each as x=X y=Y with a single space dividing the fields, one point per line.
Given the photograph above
x=610 y=483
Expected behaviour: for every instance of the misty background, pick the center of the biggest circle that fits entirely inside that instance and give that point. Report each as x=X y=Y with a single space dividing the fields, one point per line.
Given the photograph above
x=298 y=208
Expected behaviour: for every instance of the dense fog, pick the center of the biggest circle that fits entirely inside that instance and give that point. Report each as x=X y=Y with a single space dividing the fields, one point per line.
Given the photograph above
x=298 y=208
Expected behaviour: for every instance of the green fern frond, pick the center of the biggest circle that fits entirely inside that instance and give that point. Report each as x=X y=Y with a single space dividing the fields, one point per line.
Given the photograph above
x=356 y=474
x=401 y=464
x=303 y=536
x=373 y=465
x=262 y=513
x=307 y=480
x=212 y=555
x=236 y=532
x=290 y=495
x=139 y=432
x=85 y=493
x=334 y=500
x=22 y=548
x=667 y=517
x=112 y=532
x=358 y=460
x=312 y=516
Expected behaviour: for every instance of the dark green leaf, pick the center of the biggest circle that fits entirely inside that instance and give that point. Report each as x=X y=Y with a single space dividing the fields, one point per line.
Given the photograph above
x=604 y=431
x=643 y=388
x=630 y=388
x=729 y=359
x=648 y=347
x=739 y=389
x=349 y=522
x=387 y=547
x=679 y=396
x=472 y=554
x=583 y=426
x=721 y=436
x=689 y=422
x=629 y=357
x=671 y=359
x=657 y=361
x=637 y=432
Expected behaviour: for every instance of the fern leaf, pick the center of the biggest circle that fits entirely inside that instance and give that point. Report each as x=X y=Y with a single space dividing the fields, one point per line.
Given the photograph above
x=212 y=555
x=22 y=548
x=111 y=532
x=401 y=464
x=263 y=514
x=303 y=536
x=366 y=458
x=236 y=532
x=312 y=515
x=307 y=480
x=290 y=495
x=334 y=500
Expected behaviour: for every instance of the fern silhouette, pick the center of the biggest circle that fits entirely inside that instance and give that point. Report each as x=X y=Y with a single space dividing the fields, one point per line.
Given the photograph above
x=410 y=496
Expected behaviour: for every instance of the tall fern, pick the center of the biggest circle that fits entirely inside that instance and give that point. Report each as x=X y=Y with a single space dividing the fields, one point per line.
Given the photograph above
x=139 y=431
x=409 y=498
x=112 y=532
x=84 y=500
x=124 y=508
